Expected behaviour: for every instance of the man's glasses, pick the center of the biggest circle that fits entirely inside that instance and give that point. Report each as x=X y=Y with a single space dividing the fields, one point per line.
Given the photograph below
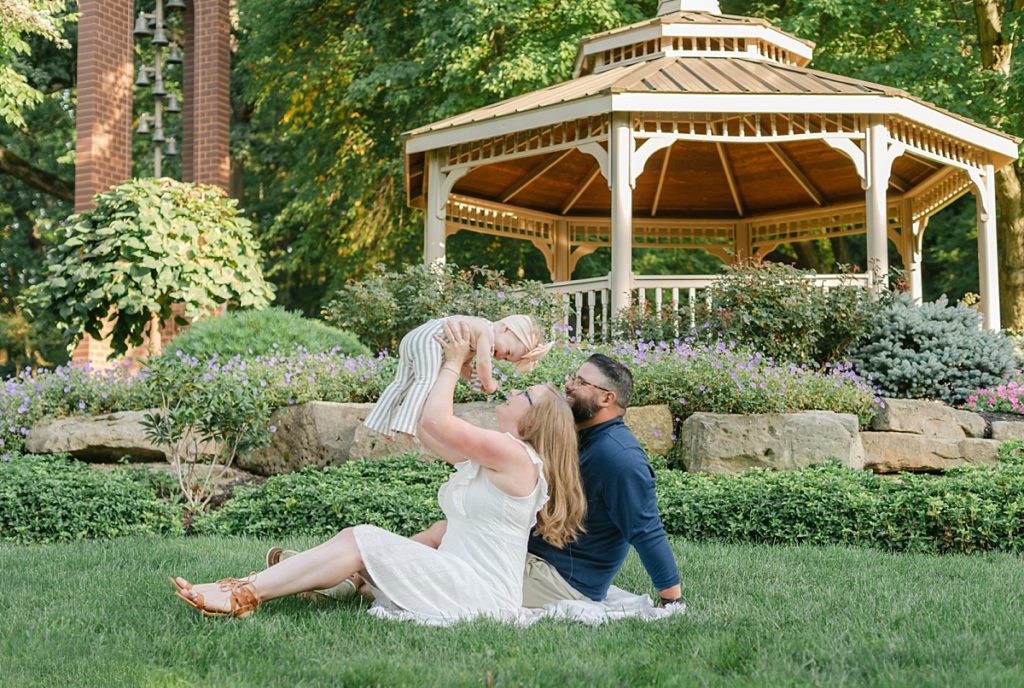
x=577 y=381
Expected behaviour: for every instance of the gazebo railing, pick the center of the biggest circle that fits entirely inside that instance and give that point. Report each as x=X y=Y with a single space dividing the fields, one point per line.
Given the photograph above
x=586 y=303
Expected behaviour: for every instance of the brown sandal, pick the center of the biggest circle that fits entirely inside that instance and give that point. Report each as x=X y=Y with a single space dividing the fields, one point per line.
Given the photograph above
x=243 y=598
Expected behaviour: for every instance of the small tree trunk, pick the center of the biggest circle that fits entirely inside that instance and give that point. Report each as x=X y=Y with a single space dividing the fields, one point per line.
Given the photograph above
x=155 y=343
x=1010 y=238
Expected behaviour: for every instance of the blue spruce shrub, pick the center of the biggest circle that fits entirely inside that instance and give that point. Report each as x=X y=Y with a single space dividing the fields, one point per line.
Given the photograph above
x=932 y=351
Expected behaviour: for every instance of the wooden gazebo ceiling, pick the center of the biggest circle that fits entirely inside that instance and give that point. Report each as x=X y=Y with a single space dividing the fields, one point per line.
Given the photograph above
x=766 y=178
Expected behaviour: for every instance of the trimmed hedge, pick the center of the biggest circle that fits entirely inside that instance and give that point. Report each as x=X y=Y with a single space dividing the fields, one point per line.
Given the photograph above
x=970 y=509
x=398 y=494
x=56 y=499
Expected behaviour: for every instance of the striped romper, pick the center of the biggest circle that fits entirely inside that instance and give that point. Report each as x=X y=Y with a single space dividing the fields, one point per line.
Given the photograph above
x=419 y=363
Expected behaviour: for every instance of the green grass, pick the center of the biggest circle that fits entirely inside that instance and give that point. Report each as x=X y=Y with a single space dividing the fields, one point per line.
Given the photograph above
x=103 y=614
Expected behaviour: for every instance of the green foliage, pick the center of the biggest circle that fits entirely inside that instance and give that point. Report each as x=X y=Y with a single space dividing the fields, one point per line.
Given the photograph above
x=384 y=306
x=398 y=494
x=932 y=351
x=19 y=20
x=967 y=510
x=204 y=418
x=334 y=84
x=56 y=499
x=148 y=245
x=261 y=333
x=777 y=310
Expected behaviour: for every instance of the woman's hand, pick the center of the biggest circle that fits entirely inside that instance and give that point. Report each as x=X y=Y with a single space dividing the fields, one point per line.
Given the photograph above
x=455 y=344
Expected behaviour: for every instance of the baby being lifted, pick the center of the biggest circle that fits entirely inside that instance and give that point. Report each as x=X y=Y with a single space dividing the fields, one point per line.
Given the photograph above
x=515 y=338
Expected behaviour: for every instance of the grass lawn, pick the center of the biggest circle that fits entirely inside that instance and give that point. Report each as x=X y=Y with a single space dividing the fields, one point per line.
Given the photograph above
x=103 y=614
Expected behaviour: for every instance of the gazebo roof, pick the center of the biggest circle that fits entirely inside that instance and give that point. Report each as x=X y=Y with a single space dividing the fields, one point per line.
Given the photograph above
x=755 y=130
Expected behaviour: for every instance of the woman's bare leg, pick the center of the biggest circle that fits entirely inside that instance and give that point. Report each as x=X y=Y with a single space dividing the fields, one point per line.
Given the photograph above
x=323 y=566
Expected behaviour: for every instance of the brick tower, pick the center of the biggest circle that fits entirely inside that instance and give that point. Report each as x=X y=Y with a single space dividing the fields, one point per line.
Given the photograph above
x=104 y=113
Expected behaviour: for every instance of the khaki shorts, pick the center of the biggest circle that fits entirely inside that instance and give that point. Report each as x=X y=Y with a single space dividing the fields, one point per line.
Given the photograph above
x=542 y=584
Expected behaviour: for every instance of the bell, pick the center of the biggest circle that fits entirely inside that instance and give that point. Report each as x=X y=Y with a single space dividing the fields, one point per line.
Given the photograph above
x=173 y=54
x=158 y=88
x=173 y=105
x=143 y=125
x=160 y=37
x=175 y=5
x=143 y=78
x=158 y=135
x=142 y=27
x=171 y=148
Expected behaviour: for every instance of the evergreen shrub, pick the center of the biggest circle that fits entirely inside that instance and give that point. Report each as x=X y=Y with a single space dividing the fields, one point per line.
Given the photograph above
x=398 y=494
x=932 y=351
x=381 y=308
x=777 y=310
x=56 y=499
x=966 y=510
x=253 y=332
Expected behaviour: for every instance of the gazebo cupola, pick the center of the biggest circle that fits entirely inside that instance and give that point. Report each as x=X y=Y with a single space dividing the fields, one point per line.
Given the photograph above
x=698 y=130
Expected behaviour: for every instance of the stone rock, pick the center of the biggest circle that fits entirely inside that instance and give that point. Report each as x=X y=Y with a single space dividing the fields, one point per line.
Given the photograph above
x=728 y=444
x=109 y=437
x=891 y=452
x=367 y=444
x=929 y=418
x=1003 y=430
x=653 y=425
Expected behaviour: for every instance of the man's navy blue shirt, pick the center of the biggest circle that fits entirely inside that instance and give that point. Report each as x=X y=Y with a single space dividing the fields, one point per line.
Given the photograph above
x=621 y=511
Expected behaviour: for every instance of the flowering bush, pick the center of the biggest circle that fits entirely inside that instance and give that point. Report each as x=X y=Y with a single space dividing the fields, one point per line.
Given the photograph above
x=1006 y=398
x=686 y=375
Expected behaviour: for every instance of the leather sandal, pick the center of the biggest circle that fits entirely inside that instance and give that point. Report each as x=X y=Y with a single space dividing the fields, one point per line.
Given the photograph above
x=243 y=598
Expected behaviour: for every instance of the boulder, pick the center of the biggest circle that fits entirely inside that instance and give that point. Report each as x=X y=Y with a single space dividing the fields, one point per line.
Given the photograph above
x=1003 y=430
x=728 y=444
x=109 y=437
x=892 y=452
x=367 y=444
x=928 y=418
x=654 y=426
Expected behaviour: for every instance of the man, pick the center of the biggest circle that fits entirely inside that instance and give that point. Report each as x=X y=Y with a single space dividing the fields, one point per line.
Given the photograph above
x=621 y=505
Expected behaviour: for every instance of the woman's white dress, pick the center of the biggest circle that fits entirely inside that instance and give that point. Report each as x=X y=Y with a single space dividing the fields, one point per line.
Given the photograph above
x=477 y=570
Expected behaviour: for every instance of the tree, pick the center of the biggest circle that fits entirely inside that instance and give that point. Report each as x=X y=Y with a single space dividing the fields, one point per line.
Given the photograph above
x=958 y=54
x=146 y=246
x=334 y=83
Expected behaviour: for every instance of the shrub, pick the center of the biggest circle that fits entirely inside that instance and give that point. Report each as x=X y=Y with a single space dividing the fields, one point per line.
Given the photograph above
x=262 y=333
x=969 y=509
x=932 y=351
x=646 y=323
x=381 y=308
x=398 y=494
x=147 y=245
x=777 y=310
x=56 y=499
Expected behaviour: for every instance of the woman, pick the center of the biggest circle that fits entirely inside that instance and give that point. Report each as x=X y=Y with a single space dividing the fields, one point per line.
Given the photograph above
x=526 y=475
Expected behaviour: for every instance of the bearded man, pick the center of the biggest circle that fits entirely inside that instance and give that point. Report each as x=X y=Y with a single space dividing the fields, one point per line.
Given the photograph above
x=622 y=510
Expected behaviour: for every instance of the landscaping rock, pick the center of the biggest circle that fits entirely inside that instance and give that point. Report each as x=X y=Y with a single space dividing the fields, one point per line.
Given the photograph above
x=109 y=437
x=369 y=445
x=728 y=444
x=1008 y=430
x=318 y=433
x=653 y=425
x=892 y=452
x=928 y=418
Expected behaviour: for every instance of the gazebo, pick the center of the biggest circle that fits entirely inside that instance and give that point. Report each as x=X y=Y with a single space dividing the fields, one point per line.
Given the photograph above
x=706 y=131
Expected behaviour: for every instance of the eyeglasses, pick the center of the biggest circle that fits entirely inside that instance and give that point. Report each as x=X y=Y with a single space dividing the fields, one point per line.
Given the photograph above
x=526 y=393
x=577 y=381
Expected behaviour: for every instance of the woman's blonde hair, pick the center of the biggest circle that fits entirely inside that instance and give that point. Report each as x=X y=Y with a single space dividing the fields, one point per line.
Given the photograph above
x=549 y=428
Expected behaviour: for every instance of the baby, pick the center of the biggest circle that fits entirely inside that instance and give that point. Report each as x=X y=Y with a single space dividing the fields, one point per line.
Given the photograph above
x=515 y=338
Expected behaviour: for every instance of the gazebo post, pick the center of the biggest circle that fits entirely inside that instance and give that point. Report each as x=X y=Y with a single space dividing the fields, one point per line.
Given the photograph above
x=561 y=261
x=912 y=234
x=988 y=276
x=876 y=212
x=434 y=215
x=620 y=152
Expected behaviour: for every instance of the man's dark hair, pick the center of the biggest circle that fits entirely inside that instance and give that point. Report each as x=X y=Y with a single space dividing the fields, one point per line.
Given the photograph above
x=620 y=380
